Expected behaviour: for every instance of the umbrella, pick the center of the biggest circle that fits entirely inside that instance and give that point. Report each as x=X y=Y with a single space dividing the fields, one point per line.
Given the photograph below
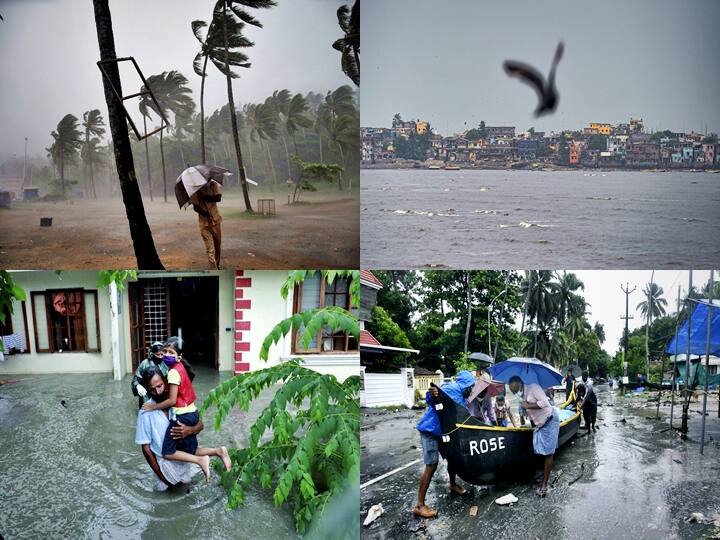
x=195 y=178
x=577 y=370
x=530 y=370
x=494 y=388
x=482 y=357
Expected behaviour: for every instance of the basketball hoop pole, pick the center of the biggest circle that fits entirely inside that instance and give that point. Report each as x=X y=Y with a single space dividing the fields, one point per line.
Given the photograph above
x=148 y=91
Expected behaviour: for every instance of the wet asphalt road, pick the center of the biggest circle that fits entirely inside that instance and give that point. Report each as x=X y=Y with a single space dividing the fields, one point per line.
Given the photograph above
x=632 y=479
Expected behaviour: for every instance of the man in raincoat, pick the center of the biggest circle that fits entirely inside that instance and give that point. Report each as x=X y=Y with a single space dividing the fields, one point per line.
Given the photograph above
x=209 y=220
x=431 y=435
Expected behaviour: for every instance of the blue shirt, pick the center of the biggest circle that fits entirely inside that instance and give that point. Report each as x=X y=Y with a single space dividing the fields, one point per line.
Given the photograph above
x=150 y=429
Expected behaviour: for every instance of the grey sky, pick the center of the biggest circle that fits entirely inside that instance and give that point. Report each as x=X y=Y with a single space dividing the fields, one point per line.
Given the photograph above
x=442 y=61
x=49 y=49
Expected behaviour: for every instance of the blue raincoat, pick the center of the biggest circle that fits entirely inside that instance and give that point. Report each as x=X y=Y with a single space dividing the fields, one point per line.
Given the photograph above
x=430 y=423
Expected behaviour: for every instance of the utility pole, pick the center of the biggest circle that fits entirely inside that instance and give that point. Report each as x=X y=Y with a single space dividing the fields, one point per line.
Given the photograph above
x=688 y=370
x=648 y=322
x=627 y=317
x=707 y=358
x=672 y=379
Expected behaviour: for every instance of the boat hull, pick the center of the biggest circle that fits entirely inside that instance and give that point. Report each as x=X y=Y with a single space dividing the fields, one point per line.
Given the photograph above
x=481 y=454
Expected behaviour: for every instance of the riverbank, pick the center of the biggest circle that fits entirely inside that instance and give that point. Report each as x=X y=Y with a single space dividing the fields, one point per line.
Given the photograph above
x=529 y=166
x=634 y=478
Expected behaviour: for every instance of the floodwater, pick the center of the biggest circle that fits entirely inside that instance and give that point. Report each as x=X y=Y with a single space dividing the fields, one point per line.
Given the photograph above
x=74 y=471
x=502 y=219
x=631 y=479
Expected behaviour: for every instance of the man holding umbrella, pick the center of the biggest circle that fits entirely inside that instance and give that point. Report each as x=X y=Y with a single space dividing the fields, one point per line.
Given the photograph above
x=200 y=186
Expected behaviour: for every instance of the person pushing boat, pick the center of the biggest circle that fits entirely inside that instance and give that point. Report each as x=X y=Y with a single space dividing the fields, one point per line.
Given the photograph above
x=431 y=434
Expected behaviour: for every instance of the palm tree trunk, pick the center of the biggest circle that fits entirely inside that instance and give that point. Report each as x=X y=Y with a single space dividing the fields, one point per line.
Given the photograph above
x=287 y=154
x=233 y=119
x=162 y=160
x=147 y=157
x=182 y=155
x=272 y=167
x=62 y=174
x=145 y=252
x=92 y=181
x=202 y=112
x=342 y=161
x=320 y=139
x=468 y=300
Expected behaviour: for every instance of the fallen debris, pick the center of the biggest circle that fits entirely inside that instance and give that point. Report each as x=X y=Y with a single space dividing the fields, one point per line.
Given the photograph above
x=506 y=499
x=375 y=512
x=473 y=511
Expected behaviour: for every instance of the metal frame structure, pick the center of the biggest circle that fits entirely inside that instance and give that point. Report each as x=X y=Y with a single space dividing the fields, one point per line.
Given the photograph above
x=163 y=121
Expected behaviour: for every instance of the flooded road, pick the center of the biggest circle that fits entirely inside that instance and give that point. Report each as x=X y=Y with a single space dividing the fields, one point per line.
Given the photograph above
x=74 y=471
x=495 y=218
x=631 y=479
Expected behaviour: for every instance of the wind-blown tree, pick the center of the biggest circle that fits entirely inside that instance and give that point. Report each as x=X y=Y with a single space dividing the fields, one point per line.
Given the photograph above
x=262 y=126
x=335 y=115
x=67 y=140
x=349 y=44
x=173 y=95
x=231 y=16
x=183 y=125
x=94 y=127
x=542 y=300
x=654 y=304
x=279 y=102
x=296 y=118
x=143 y=244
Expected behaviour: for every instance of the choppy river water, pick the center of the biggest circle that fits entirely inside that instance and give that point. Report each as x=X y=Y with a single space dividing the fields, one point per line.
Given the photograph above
x=561 y=219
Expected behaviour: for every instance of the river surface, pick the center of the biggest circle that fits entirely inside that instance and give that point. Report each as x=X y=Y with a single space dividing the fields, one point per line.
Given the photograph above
x=512 y=219
x=631 y=479
x=74 y=471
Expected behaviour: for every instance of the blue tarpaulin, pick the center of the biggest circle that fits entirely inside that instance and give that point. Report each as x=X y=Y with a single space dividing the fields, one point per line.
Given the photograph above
x=698 y=332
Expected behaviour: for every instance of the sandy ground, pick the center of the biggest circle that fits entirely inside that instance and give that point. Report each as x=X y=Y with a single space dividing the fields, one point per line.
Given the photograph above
x=634 y=478
x=322 y=231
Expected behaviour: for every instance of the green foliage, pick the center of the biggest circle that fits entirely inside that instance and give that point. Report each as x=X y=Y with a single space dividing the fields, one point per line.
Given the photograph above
x=310 y=172
x=389 y=333
x=464 y=363
x=9 y=292
x=119 y=277
x=313 y=449
x=305 y=444
x=414 y=147
x=598 y=142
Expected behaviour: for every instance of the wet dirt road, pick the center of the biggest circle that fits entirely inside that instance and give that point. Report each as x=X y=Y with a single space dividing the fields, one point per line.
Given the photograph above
x=631 y=479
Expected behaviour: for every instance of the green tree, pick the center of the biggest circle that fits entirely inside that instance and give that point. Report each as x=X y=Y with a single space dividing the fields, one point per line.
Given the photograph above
x=388 y=332
x=296 y=118
x=349 y=44
x=598 y=142
x=339 y=118
x=67 y=139
x=310 y=172
x=90 y=152
x=173 y=96
x=10 y=292
x=305 y=443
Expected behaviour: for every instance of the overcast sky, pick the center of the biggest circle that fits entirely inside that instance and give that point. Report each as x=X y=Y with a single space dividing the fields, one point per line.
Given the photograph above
x=49 y=49
x=442 y=61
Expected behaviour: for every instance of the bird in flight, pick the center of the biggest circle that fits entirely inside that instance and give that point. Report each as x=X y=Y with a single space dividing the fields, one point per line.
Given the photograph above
x=547 y=94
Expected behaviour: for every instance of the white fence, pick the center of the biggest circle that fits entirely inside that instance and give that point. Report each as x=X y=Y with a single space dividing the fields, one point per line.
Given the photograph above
x=422 y=382
x=387 y=389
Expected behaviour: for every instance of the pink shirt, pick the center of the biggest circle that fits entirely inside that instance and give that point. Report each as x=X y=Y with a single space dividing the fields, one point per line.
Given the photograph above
x=535 y=395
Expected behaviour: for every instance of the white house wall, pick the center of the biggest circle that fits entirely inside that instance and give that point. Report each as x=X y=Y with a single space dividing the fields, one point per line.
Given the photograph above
x=64 y=362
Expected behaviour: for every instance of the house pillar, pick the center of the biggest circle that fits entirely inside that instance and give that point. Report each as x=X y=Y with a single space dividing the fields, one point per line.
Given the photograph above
x=242 y=322
x=118 y=368
x=408 y=377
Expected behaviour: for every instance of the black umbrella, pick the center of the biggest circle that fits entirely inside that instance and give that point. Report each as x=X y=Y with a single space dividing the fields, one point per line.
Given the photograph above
x=192 y=179
x=482 y=357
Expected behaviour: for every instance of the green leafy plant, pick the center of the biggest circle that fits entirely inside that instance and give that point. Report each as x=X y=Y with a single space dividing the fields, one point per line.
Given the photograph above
x=464 y=363
x=310 y=172
x=119 y=277
x=305 y=443
x=9 y=292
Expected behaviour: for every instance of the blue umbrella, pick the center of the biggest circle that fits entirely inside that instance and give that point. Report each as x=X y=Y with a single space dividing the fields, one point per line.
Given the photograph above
x=530 y=370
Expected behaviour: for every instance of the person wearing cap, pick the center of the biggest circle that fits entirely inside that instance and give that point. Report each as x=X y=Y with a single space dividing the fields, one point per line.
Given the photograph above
x=154 y=358
x=431 y=434
x=209 y=220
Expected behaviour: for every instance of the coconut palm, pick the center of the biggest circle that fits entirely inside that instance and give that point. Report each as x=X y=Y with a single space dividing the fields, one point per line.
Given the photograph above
x=279 y=102
x=143 y=244
x=569 y=302
x=183 y=125
x=93 y=125
x=92 y=155
x=334 y=115
x=349 y=44
x=654 y=304
x=262 y=125
x=542 y=297
x=172 y=95
x=67 y=140
x=296 y=118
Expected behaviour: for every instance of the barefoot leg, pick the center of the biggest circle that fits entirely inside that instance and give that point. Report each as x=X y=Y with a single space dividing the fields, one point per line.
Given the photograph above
x=205 y=466
x=225 y=458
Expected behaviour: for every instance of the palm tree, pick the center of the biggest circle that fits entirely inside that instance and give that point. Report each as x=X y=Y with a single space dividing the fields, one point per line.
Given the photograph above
x=654 y=304
x=262 y=125
x=279 y=102
x=296 y=119
x=143 y=244
x=183 y=125
x=93 y=124
x=92 y=154
x=67 y=140
x=349 y=44
x=569 y=302
x=542 y=298
x=334 y=114
x=173 y=95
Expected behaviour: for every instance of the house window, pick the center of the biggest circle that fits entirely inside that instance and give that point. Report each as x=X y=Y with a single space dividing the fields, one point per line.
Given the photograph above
x=66 y=320
x=314 y=293
x=13 y=331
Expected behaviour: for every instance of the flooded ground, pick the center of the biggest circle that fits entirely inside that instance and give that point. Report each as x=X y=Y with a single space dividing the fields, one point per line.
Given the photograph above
x=494 y=219
x=634 y=478
x=321 y=231
x=74 y=471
